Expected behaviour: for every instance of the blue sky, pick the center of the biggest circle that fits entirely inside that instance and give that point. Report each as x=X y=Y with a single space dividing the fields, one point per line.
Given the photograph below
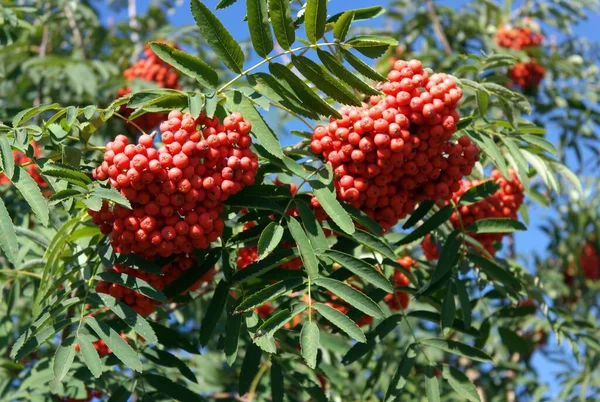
x=527 y=243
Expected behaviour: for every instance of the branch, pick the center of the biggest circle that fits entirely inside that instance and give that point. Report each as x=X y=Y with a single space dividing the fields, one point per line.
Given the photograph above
x=76 y=32
x=42 y=53
x=437 y=26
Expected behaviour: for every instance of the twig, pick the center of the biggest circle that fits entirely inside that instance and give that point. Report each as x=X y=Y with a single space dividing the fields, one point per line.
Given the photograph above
x=76 y=32
x=42 y=53
x=133 y=24
x=437 y=26
x=256 y=380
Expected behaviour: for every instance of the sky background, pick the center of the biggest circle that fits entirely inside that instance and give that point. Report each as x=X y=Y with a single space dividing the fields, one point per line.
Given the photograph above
x=534 y=240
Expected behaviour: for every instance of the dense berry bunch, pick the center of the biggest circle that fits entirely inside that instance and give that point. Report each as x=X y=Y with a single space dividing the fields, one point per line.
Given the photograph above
x=177 y=191
x=20 y=158
x=505 y=203
x=518 y=38
x=527 y=75
x=590 y=262
x=397 y=150
x=140 y=303
x=150 y=68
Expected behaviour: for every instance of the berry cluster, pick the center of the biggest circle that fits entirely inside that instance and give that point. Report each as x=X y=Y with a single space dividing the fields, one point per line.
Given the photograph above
x=526 y=75
x=177 y=191
x=396 y=151
x=20 y=159
x=396 y=301
x=590 y=262
x=150 y=68
x=505 y=203
x=518 y=38
x=143 y=304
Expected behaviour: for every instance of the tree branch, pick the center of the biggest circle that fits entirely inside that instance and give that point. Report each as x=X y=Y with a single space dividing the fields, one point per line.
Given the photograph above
x=437 y=27
x=77 y=37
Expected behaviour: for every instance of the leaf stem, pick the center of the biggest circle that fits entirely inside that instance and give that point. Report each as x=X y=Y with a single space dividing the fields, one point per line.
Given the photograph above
x=265 y=366
x=20 y=272
x=268 y=59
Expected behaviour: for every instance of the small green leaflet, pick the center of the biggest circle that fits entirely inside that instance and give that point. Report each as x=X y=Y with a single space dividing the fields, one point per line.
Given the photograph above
x=418 y=214
x=267 y=294
x=63 y=358
x=428 y=226
x=342 y=25
x=90 y=355
x=351 y=296
x=309 y=342
x=134 y=283
x=457 y=348
x=341 y=321
x=361 y=14
x=187 y=64
x=277 y=387
x=8 y=237
x=337 y=68
x=176 y=391
x=119 y=347
x=400 y=377
x=258 y=24
x=32 y=194
x=213 y=312
x=232 y=337
x=332 y=206
x=495 y=225
x=361 y=269
x=269 y=239
x=432 y=387
x=479 y=193
x=460 y=383
x=6 y=157
x=283 y=25
x=315 y=17
x=217 y=36
x=495 y=271
x=448 y=309
x=307 y=254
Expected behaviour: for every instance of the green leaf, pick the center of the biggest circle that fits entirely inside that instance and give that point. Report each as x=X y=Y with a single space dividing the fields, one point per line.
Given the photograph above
x=8 y=237
x=64 y=195
x=362 y=14
x=268 y=294
x=135 y=321
x=269 y=239
x=213 y=312
x=315 y=233
x=187 y=64
x=283 y=25
x=465 y=303
x=495 y=225
x=137 y=284
x=32 y=194
x=315 y=18
x=332 y=64
x=540 y=143
x=278 y=320
x=479 y=193
x=232 y=337
x=435 y=318
x=68 y=174
x=351 y=296
x=309 y=342
x=460 y=383
x=27 y=114
x=217 y=36
x=371 y=45
x=173 y=339
x=6 y=157
x=265 y=265
x=513 y=341
x=432 y=388
x=494 y=271
x=457 y=348
x=332 y=206
x=361 y=269
x=260 y=129
x=401 y=376
x=249 y=368
x=342 y=25
x=362 y=67
x=270 y=87
x=166 y=359
x=491 y=150
x=363 y=219
x=277 y=386
x=324 y=81
x=515 y=152
x=303 y=91
x=482 y=102
x=341 y=321
x=448 y=309
x=224 y=4
x=368 y=240
x=418 y=214
x=307 y=254
x=119 y=347
x=174 y=390
x=258 y=24
x=63 y=359
x=90 y=355
x=428 y=226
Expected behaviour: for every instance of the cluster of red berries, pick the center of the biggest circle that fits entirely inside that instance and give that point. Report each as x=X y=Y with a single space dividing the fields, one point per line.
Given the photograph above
x=526 y=75
x=91 y=394
x=140 y=303
x=505 y=203
x=150 y=68
x=397 y=151
x=177 y=191
x=20 y=158
x=396 y=301
x=590 y=261
x=518 y=38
